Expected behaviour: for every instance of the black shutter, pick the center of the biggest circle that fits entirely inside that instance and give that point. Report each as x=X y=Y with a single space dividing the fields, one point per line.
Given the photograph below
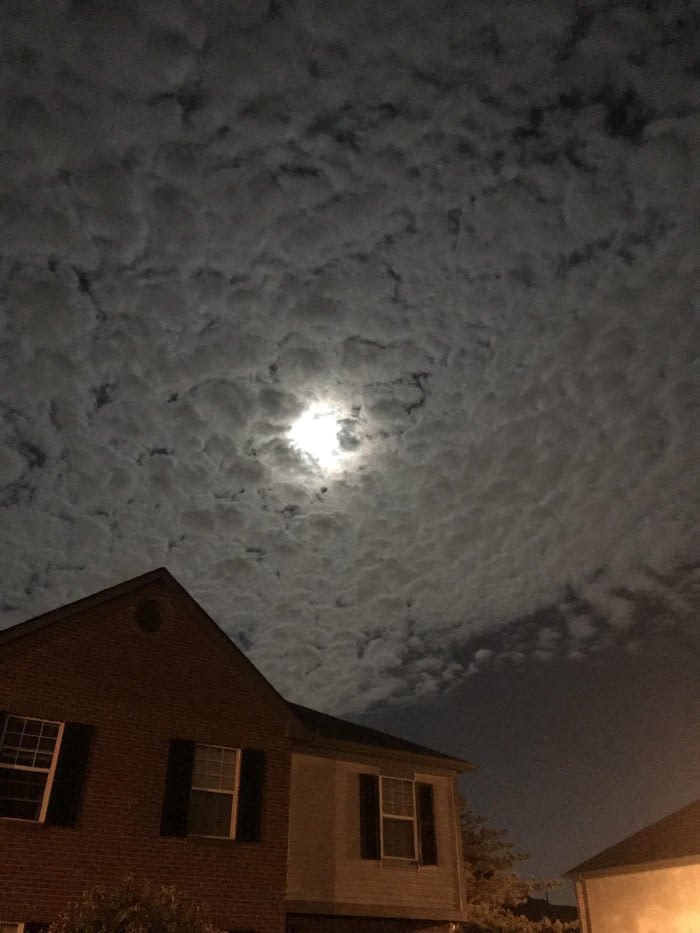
x=369 y=816
x=3 y=717
x=36 y=927
x=178 y=784
x=426 y=824
x=250 y=787
x=69 y=777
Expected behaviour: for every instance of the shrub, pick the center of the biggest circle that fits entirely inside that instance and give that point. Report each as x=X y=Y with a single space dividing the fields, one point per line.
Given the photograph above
x=132 y=908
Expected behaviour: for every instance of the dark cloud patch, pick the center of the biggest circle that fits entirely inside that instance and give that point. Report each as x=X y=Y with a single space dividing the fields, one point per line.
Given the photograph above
x=626 y=116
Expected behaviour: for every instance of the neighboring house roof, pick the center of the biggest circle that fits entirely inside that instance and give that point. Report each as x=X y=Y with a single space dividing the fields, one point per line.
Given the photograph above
x=313 y=723
x=674 y=837
x=341 y=730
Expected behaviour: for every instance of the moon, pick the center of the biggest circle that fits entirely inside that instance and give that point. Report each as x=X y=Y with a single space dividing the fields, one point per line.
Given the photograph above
x=316 y=434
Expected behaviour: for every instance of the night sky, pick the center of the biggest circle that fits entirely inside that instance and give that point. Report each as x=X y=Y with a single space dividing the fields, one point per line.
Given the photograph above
x=467 y=233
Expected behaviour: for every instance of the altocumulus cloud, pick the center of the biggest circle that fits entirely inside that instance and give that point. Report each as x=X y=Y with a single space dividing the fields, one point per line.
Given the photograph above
x=470 y=228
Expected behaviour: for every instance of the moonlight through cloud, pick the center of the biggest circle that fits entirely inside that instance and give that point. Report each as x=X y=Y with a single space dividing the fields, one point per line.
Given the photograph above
x=458 y=238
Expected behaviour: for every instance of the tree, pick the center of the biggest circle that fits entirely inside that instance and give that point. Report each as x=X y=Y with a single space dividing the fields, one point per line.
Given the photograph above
x=493 y=889
x=132 y=908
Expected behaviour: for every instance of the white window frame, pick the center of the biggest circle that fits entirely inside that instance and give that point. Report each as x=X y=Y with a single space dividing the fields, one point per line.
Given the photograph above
x=7 y=926
x=393 y=816
x=227 y=793
x=49 y=772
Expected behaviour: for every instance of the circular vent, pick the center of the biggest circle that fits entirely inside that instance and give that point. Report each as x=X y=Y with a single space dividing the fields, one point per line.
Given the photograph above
x=147 y=615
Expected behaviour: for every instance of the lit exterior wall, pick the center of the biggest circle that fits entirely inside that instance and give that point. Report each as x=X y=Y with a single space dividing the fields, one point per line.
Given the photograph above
x=657 y=900
x=326 y=871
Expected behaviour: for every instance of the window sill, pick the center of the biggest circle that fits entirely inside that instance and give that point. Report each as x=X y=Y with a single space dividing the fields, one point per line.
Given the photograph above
x=223 y=841
x=22 y=819
x=391 y=863
x=398 y=864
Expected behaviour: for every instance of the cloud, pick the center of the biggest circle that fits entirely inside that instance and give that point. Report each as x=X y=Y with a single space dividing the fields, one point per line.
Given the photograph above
x=475 y=236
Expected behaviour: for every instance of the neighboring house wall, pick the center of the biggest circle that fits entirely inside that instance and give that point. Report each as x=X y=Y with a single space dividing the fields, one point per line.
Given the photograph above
x=326 y=870
x=661 y=900
x=138 y=690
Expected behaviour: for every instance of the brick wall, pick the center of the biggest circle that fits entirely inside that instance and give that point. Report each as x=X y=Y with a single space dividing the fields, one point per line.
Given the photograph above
x=138 y=690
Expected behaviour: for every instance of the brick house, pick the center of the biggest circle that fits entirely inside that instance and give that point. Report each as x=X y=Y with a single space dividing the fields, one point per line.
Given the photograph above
x=135 y=738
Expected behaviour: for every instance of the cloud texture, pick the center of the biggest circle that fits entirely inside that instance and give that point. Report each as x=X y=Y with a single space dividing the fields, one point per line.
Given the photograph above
x=471 y=227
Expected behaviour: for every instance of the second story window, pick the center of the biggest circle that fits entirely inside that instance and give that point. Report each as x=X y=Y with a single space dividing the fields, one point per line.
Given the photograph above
x=213 y=790
x=212 y=810
x=28 y=749
x=397 y=819
x=398 y=810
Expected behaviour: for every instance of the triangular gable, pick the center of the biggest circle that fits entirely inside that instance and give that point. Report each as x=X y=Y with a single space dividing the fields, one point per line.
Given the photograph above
x=32 y=628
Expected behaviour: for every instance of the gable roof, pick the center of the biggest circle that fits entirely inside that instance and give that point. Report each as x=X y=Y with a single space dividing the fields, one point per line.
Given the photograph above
x=342 y=730
x=313 y=724
x=674 y=837
x=160 y=576
x=37 y=623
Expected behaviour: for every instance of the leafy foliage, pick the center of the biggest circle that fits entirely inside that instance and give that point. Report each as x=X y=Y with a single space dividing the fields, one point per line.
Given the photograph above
x=493 y=889
x=132 y=908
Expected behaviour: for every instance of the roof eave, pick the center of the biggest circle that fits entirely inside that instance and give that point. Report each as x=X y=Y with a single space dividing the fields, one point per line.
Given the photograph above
x=583 y=873
x=319 y=744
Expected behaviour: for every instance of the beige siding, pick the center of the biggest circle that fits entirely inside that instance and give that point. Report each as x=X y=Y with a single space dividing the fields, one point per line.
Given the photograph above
x=665 y=899
x=324 y=844
x=310 y=865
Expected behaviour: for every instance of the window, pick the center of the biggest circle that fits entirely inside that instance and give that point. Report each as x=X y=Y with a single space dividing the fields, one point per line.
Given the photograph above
x=397 y=819
x=398 y=809
x=28 y=752
x=213 y=790
x=11 y=928
x=212 y=810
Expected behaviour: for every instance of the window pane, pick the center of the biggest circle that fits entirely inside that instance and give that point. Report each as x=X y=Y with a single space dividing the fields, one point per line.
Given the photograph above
x=210 y=814
x=398 y=838
x=214 y=768
x=21 y=793
x=8 y=752
x=24 y=737
x=397 y=796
